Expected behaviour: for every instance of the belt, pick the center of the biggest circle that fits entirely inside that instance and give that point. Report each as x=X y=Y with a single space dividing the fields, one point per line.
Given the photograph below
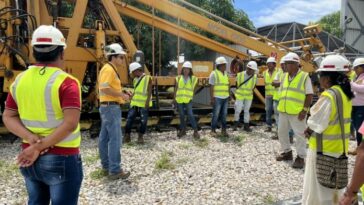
x=109 y=103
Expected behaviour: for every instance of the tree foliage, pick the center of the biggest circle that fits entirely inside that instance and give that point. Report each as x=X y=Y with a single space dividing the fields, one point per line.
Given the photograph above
x=331 y=23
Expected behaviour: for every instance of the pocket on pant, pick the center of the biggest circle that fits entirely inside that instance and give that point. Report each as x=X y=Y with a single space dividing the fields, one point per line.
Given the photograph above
x=52 y=172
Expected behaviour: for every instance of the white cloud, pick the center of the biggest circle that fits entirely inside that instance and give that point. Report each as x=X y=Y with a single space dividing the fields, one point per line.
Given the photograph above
x=301 y=11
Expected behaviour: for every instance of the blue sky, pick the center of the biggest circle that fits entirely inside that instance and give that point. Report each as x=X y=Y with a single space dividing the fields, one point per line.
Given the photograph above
x=267 y=12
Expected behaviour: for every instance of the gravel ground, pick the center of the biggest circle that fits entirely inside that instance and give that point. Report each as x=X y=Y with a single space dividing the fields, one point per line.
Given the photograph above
x=238 y=170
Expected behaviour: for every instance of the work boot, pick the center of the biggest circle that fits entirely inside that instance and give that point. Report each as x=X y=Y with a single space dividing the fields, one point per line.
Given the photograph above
x=275 y=136
x=285 y=156
x=269 y=129
x=224 y=133
x=213 y=133
x=298 y=163
x=127 y=138
x=196 y=136
x=121 y=175
x=181 y=133
x=140 y=139
x=235 y=126
x=291 y=139
x=247 y=128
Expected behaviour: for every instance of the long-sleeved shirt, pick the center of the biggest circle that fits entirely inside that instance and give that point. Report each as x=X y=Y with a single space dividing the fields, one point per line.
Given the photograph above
x=320 y=115
x=358 y=88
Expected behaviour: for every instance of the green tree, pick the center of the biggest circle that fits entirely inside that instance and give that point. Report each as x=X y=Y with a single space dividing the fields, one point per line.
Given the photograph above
x=331 y=24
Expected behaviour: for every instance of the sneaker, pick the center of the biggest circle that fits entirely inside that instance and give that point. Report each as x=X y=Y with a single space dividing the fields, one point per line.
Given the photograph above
x=247 y=128
x=140 y=139
x=121 y=175
x=285 y=156
x=298 y=163
x=275 y=137
x=181 y=133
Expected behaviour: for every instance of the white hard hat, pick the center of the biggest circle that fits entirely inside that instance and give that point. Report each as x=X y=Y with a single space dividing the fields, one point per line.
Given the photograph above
x=358 y=61
x=134 y=66
x=252 y=65
x=220 y=60
x=187 y=64
x=48 y=35
x=333 y=63
x=271 y=60
x=283 y=59
x=114 y=49
x=292 y=57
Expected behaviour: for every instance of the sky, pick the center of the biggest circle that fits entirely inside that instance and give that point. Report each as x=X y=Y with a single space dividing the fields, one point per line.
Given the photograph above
x=267 y=12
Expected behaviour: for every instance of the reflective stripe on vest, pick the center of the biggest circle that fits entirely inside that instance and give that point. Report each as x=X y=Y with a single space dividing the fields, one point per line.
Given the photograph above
x=332 y=141
x=268 y=79
x=280 y=75
x=221 y=87
x=44 y=118
x=292 y=95
x=245 y=92
x=185 y=91
x=141 y=92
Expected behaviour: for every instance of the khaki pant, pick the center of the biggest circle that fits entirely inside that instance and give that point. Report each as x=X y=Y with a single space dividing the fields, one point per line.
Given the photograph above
x=287 y=122
x=238 y=107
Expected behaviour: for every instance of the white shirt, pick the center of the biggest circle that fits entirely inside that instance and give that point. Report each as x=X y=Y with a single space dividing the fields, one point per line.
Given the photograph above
x=320 y=115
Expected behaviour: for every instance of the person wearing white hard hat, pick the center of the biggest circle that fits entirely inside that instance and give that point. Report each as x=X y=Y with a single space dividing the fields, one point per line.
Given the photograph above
x=111 y=96
x=270 y=91
x=219 y=91
x=294 y=101
x=357 y=86
x=245 y=84
x=140 y=102
x=328 y=132
x=185 y=86
x=43 y=108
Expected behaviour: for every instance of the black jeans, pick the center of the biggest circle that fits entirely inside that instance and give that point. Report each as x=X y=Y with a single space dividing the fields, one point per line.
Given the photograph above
x=357 y=117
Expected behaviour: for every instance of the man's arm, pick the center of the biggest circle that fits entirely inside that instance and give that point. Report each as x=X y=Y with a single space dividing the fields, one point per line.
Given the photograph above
x=150 y=86
x=114 y=93
x=13 y=123
x=357 y=179
x=70 y=122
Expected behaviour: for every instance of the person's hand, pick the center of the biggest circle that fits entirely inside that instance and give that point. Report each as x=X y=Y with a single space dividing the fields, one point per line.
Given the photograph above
x=302 y=115
x=125 y=97
x=347 y=198
x=308 y=132
x=212 y=101
x=33 y=138
x=28 y=156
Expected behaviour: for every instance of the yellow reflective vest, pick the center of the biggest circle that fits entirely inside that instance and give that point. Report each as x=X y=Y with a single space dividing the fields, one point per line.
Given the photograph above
x=332 y=141
x=185 y=91
x=245 y=92
x=292 y=94
x=268 y=79
x=37 y=98
x=351 y=75
x=141 y=92
x=280 y=75
x=221 y=87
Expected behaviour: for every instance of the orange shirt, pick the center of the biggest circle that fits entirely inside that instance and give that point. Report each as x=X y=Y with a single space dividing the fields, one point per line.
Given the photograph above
x=108 y=78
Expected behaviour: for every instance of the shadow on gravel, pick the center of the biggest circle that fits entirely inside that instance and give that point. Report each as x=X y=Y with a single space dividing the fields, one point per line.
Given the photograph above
x=120 y=187
x=297 y=200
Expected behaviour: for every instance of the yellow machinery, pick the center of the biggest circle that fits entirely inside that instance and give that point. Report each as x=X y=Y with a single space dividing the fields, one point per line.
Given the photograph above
x=84 y=54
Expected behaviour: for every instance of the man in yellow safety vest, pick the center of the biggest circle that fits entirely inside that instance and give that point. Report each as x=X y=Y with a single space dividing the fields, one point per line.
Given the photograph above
x=294 y=101
x=219 y=92
x=270 y=91
x=140 y=101
x=245 y=83
x=43 y=108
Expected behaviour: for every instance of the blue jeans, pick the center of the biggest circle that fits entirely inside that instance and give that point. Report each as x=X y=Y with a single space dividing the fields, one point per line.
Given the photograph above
x=182 y=107
x=55 y=178
x=219 y=112
x=268 y=110
x=110 y=138
x=357 y=117
x=133 y=112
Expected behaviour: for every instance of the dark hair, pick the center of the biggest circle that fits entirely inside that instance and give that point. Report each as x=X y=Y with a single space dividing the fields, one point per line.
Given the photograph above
x=47 y=57
x=340 y=79
x=190 y=74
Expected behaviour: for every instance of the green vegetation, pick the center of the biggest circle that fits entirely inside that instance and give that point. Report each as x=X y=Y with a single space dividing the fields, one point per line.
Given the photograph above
x=98 y=174
x=91 y=159
x=164 y=162
x=202 y=143
x=331 y=23
x=8 y=169
x=239 y=140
